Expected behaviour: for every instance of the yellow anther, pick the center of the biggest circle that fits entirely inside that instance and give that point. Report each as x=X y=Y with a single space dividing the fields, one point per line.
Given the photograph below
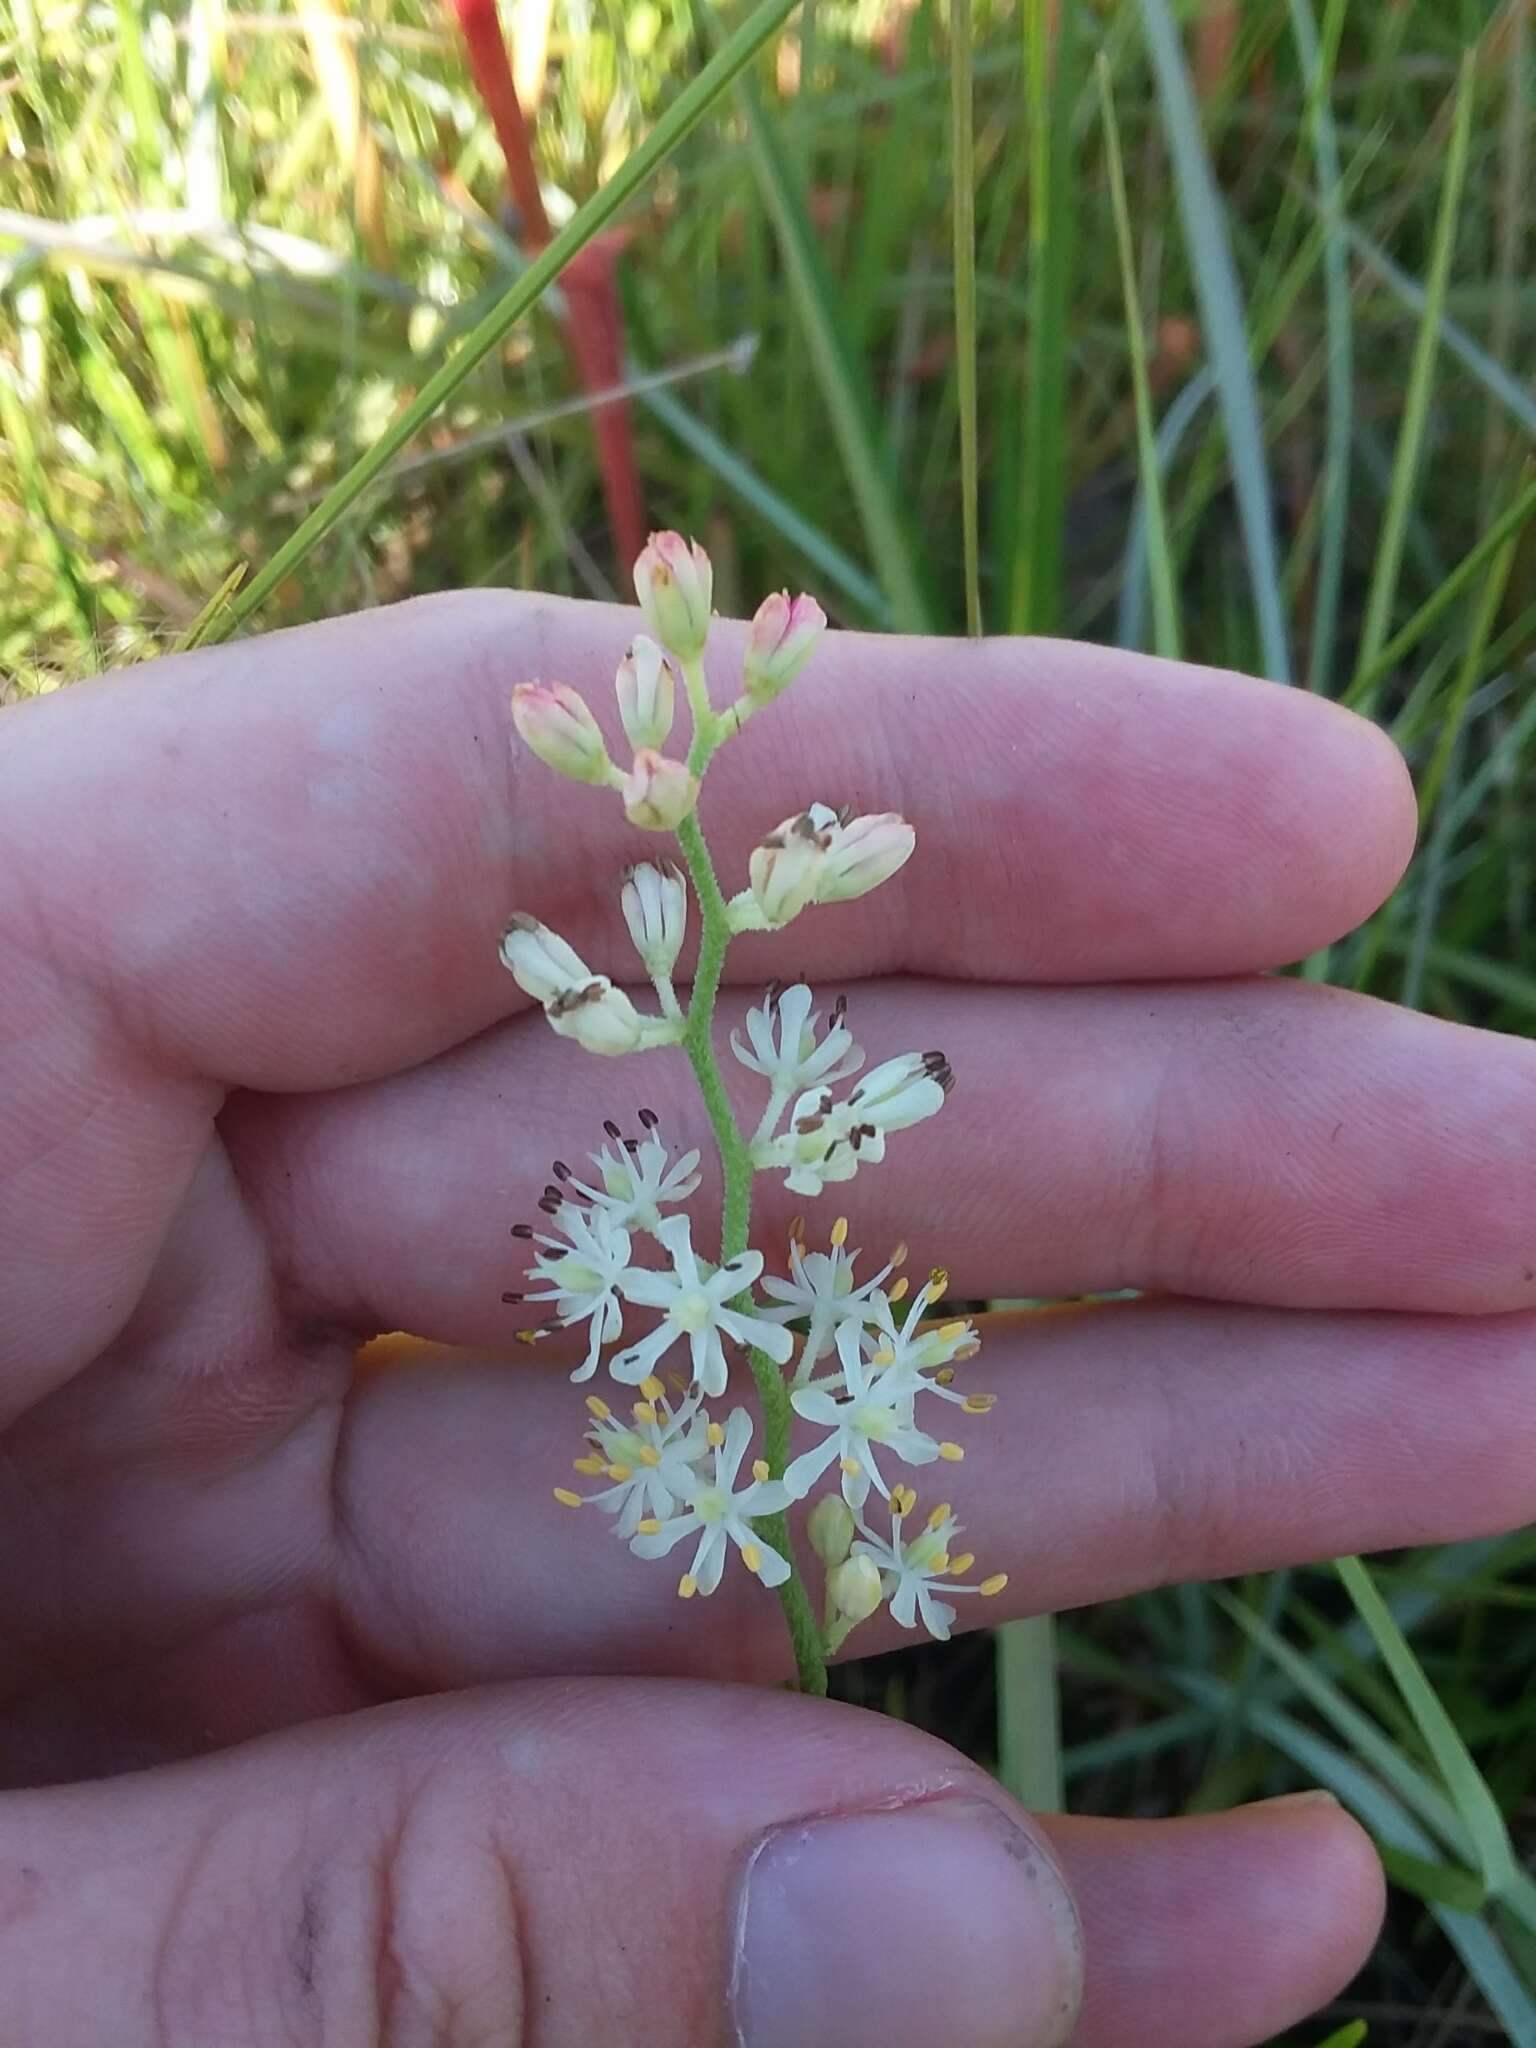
x=952 y=1452
x=961 y=1565
x=751 y=1557
x=899 y=1258
x=643 y=1412
x=940 y=1563
x=899 y=1291
x=850 y=1466
x=946 y=1376
x=648 y=1526
x=797 y=1231
x=840 y=1233
x=621 y=1472
x=950 y=1331
x=883 y=1357
x=687 y=1586
x=649 y=1455
x=903 y=1500
x=593 y=1467
x=679 y=1384
x=716 y=1435
x=979 y=1404
x=598 y=1408
x=566 y=1498
x=940 y=1514
x=968 y=1351
x=938 y=1284
x=651 y=1387
x=759 y=1470
x=993 y=1585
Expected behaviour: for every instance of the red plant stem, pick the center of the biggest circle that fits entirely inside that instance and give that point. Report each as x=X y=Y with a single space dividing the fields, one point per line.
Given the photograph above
x=594 y=327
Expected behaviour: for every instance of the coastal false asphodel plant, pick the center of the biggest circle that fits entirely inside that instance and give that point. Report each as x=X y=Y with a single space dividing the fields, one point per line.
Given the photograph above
x=672 y=1454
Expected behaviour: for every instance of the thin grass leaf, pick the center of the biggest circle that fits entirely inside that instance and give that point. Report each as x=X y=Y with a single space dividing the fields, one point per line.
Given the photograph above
x=1222 y=317
x=1508 y=525
x=1165 y=614
x=962 y=184
x=1408 y=458
x=1029 y=1717
x=684 y=115
x=1348 y=2036
x=1466 y=1784
x=843 y=388
x=1051 y=64
x=1453 y=715
x=1317 y=61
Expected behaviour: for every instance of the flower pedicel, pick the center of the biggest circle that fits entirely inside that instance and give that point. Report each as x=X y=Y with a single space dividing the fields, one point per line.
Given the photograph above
x=867 y=1369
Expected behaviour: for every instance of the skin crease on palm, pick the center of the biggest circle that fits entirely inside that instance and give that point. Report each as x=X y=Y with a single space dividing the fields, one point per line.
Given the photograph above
x=321 y=1723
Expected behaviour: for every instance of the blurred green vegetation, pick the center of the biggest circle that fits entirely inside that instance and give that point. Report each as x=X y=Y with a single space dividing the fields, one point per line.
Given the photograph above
x=1253 y=385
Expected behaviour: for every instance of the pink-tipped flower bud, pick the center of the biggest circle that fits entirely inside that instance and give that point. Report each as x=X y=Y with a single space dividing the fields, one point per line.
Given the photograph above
x=658 y=792
x=647 y=687
x=784 y=634
x=675 y=583
x=785 y=868
x=864 y=853
x=555 y=722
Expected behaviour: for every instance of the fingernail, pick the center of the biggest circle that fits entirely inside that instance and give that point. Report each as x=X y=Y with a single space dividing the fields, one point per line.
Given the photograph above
x=1315 y=1797
x=941 y=1921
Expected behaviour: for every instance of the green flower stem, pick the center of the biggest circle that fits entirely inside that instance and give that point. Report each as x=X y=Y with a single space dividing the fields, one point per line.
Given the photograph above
x=736 y=1170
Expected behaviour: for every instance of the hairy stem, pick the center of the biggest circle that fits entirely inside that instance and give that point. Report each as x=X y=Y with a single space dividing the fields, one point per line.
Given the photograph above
x=736 y=1171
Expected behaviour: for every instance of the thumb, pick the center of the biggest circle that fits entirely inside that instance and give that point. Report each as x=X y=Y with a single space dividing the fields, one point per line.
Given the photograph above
x=648 y=1862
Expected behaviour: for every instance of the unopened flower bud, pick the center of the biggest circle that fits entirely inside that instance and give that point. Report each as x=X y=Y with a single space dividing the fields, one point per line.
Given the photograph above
x=854 y=1589
x=674 y=583
x=864 y=853
x=658 y=792
x=540 y=961
x=647 y=688
x=555 y=722
x=830 y=1526
x=598 y=1016
x=785 y=868
x=784 y=634
x=655 y=905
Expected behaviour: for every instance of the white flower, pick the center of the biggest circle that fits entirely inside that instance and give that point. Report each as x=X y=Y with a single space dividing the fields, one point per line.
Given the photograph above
x=540 y=961
x=862 y=854
x=910 y=1571
x=718 y=1512
x=864 y=1416
x=654 y=901
x=820 y=1287
x=783 y=1048
x=580 y=1272
x=785 y=867
x=601 y=1018
x=693 y=1299
x=636 y=1178
x=644 y=1457
x=828 y=1141
x=915 y=1358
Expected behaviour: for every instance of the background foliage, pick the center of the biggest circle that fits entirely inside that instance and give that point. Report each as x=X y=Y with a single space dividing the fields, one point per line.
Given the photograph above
x=1249 y=322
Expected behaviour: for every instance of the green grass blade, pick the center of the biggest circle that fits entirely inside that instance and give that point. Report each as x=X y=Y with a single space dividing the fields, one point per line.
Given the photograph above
x=1165 y=615
x=1029 y=1719
x=1410 y=440
x=1221 y=313
x=1453 y=715
x=843 y=389
x=684 y=114
x=1318 y=63
x=962 y=178
x=1466 y=1784
x=1507 y=526
x=1051 y=93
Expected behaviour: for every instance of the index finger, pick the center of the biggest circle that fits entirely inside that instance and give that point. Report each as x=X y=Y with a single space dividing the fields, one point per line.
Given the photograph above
x=295 y=856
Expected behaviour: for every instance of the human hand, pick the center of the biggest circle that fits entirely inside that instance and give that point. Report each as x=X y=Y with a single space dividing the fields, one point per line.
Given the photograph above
x=265 y=1090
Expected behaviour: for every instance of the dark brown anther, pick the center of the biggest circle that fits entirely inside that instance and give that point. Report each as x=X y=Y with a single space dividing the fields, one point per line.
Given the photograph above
x=611 y=1128
x=551 y=1205
x=552 y=1193
x=649 y=1118
x=522 y=1230
x=511 y=1299
x=806 y=1124
x=839 y=1010
x=632 y=1146
x=560 y=1170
